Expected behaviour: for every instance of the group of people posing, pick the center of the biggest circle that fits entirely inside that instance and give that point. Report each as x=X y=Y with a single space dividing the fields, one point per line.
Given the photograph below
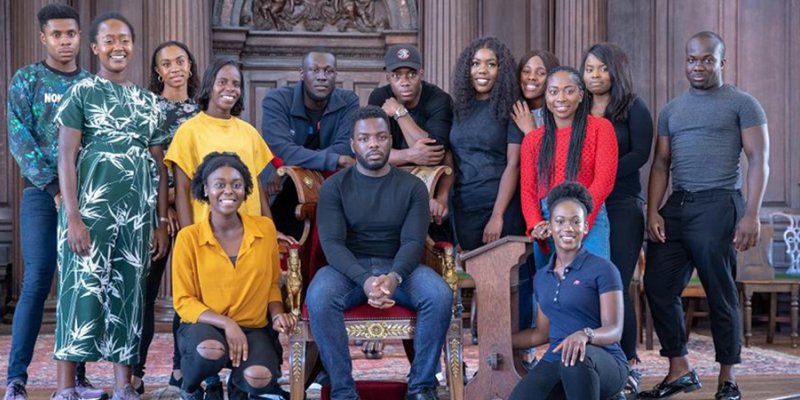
x=118 y=176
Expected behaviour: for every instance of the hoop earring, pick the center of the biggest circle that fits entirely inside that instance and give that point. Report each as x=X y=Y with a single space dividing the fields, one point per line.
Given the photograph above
x=190 y=74
x=160 y=79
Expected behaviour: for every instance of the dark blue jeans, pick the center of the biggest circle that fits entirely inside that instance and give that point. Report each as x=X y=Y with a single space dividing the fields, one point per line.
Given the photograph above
x=331 y=293
x=38 y=232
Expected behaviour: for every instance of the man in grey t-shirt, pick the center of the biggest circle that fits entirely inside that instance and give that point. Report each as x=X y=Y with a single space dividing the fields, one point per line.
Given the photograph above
x=705 y=220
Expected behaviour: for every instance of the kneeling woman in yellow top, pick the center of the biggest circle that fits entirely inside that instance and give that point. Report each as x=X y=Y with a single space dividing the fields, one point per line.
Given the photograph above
x=225 y=273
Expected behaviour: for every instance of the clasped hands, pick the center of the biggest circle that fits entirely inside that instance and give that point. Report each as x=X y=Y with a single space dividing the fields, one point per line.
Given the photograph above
x=380 y=291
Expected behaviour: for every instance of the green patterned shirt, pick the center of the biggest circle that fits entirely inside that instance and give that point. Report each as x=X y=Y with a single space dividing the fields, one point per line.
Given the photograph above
x=33 y=97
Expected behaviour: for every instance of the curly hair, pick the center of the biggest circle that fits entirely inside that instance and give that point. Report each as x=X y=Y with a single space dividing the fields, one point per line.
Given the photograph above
x=548 y=146
x=570 y=191
x=95 y=27
x=157 y=86
x=56 y=11
x=208 y=86
x=214 y=161
x=619 y=70
x=505 y=90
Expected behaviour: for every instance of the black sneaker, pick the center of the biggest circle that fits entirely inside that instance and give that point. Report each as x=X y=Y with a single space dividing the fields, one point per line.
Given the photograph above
x=234 y=393
x=214 y=391
x=178 y=383
x=728 y=391
x=139 y=389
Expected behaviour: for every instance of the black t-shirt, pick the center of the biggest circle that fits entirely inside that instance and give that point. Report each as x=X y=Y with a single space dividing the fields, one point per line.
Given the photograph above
x=480 y=145
x=433 y=113
x=313 y=140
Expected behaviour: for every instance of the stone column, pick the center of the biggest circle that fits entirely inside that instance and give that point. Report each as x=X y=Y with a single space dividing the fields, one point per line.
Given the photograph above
x=447 y=28
x=578 y=25
x=187 y=21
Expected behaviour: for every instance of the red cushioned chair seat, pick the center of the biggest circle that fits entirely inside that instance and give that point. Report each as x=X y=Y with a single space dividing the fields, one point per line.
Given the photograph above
x=365 y=311
x=373 y=390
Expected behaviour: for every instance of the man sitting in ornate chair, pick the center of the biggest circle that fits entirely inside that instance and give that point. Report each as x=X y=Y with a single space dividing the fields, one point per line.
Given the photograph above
x=372 y=220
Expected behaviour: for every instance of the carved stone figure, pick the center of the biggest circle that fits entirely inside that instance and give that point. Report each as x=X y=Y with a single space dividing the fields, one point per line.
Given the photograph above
x=271 y=15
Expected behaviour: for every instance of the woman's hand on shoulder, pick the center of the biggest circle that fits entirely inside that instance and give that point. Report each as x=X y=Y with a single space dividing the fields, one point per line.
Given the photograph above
x=521 y=115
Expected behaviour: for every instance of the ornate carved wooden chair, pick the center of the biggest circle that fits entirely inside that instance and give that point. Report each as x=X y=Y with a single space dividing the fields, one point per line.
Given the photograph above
x=364 y=321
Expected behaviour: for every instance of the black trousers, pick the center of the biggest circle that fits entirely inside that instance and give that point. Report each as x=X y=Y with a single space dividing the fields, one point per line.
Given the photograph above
x=699 y=228
x=195 y=368
x=148 y=323
x=627 y=234
x=599 y=377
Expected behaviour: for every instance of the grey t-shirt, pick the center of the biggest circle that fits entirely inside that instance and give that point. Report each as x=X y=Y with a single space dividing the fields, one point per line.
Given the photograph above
x=705 y=136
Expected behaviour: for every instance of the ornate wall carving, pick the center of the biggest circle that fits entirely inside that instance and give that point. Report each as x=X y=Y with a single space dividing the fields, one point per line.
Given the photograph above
x=365 y=16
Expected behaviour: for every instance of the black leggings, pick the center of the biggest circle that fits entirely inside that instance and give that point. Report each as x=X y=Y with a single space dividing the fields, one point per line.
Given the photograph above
x=148 y=323
x=599 y=377
x=627 y=235
x=195 y=368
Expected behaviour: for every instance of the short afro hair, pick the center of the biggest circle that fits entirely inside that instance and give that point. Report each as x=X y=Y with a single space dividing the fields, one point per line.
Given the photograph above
x=368 y=112
x=107 y=17
x=56 y=11
x=570 y=191
x=214 y=161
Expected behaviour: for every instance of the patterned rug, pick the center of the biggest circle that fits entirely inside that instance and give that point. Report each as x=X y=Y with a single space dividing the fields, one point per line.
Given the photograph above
x=394 y=366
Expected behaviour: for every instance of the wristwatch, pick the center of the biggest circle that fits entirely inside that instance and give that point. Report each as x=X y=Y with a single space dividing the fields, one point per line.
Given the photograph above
x=400 y=113
x=397 y=276
x=589 y=333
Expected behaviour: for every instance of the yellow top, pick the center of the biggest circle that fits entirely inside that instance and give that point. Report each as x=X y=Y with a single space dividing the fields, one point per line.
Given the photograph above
x=204 y=278
x=203 y=134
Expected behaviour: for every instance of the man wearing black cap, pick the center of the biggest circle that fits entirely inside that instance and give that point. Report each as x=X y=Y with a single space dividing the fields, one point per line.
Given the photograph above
x=421 y=118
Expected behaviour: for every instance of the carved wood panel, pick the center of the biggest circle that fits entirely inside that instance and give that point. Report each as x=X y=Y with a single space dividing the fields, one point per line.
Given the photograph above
x=761 y=59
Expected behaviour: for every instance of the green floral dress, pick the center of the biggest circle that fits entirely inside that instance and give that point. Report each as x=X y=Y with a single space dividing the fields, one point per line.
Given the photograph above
x=100 y=296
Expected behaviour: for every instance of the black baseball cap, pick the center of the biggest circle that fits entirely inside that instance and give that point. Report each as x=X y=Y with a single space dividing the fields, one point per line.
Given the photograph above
x=403 y=55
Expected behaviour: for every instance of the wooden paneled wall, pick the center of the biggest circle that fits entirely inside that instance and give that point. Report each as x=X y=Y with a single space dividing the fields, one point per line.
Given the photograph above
x=763 y=56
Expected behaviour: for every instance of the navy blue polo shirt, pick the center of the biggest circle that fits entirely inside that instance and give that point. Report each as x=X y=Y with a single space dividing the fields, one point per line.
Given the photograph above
x=574 y=303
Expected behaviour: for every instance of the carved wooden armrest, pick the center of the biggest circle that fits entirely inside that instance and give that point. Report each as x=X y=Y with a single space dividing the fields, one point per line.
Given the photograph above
x=308 y=184
x=294 y=281
x=429 y=175
x=441 y=257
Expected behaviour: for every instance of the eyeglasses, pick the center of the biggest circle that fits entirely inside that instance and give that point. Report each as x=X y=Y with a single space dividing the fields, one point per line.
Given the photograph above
x=410 y=76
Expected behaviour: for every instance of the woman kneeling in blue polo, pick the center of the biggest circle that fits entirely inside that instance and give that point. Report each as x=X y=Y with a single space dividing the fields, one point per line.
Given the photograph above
x=579 y=296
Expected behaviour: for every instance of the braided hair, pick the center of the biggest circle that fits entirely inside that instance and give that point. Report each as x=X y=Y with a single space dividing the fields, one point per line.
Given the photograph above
x=548 y=147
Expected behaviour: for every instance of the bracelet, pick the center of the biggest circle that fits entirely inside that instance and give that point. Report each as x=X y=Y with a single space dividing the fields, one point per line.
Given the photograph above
x=275 y=317
x=163 y=219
